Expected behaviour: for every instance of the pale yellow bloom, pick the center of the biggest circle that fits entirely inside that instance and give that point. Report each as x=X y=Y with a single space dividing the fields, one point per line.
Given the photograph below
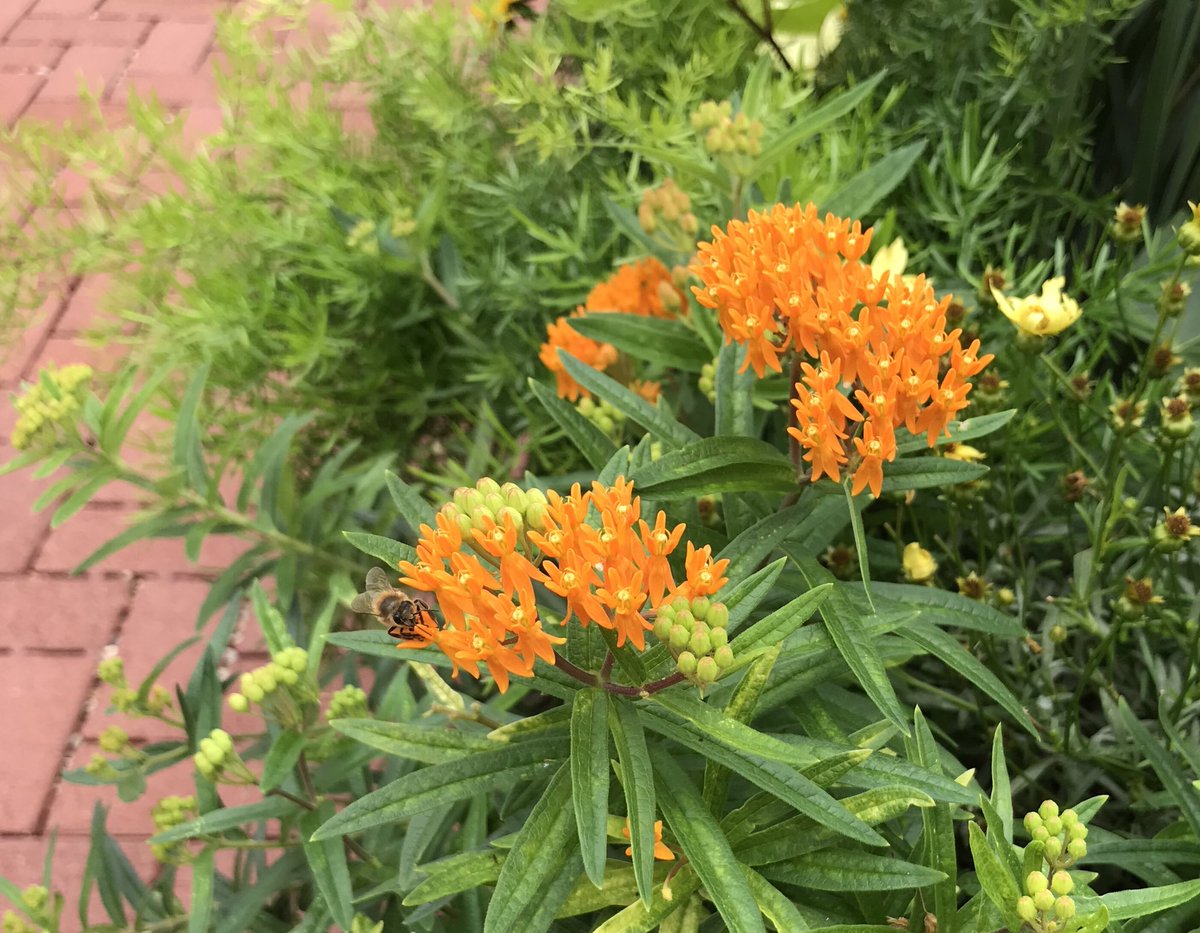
x=919 y=565
x=893 y=258
x=1042 y=315
x=964 y=452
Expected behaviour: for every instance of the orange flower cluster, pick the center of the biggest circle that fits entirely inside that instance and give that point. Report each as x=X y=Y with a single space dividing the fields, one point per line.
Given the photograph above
x=787 y=280
x=643 y=288
x=611 y=572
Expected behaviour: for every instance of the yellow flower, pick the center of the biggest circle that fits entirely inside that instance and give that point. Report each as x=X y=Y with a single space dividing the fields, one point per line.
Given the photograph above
x=964 y=452
x=892 y=258
x=919 y=565
x=1041 y=315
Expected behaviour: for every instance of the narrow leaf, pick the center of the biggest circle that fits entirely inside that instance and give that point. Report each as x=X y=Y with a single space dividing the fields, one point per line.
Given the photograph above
x=589 y=778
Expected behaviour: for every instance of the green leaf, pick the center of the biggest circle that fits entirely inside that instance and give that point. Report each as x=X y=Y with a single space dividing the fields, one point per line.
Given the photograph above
x=948 y=650
x=589 y=778
x=846 y=870
x=281 y=758
x=1132 y=851
x=1001 y=789
x=706 y=847
x=155 y=526
x=629 y=403
x=269 y=620
x=755 y=544
x=379 y=644
x=596 y=446
x=100 y=869
x=189 y=454
x=203 y=874
x=929 y=473
x=854 y=644
x=940 y=607
x=774 y=904
x=455 y=874
x=858 y=196
x=440 y=784
x=997 y=882
x=385 y=549
x=716 y=464
x=780 y=780
x=811 y=123
x=1126 y=905
x=960 y=431
x=81 y=497
x=735 y=393
x=777 y=626
x=860 y=543
x=743 y=598
x=327 y=863
x=937 y=825
x=669 y=343
x=527 y=896
x=430 y=744
x=1176 y=783
x=413 y=509
x=637 y=780
x=741 y=708
x=268 y=459
x=217 y=821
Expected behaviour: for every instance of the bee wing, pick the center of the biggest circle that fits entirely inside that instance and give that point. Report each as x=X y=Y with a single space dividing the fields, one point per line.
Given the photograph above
x=363 y=602
x=377 y=582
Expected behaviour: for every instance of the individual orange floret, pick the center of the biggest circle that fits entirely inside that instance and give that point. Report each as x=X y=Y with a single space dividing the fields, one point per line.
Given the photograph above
x=560 y=335
x=662 y=852
x=648 y=389
x=873 y=450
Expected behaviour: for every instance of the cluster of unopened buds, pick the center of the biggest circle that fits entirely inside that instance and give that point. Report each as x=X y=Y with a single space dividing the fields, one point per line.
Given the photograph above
x=479 y=507
x=1062 y=835
x=665 y=213
x=350 y=702
x=167 y=813
x=727 y=134
x=707 y=383
x=218 y=761
x=280 y=687
x=604 y=416
x=52 y=401
x=695 y=632
x=156 y=703
x=1047 y=905
x=35 y=900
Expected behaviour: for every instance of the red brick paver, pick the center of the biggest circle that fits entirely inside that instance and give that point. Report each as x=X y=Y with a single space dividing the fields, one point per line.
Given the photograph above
x=55 y=627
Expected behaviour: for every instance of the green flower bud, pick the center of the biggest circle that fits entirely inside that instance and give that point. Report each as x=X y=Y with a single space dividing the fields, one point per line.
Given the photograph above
x=535 y=515
x=679 y=637
x=213 y=752
x=204 y=766
x=1026 y=909
x=114 y=740
x=1032 y=822
x=1062 y=883
x=686 y=619
x=265 y=678
x=1064 y=908
x=699 y=644
x=35 y=897
x=1040 y=833
x=1070 y=818
x=487 y=486
x=1053 y=848
x=706 y=670
x=253 y=692
x=111 y=671
x=718 y=637
x=680 y=604
x=662 y=629
x=1043 y=901
x=723 y=656
x=1054 y=825
x=288 y=676
x=223 y=739
x=686 y=663
x=494 y=503
x=700 y=607
x=1048 y=809
x=718 y=616
x=1078 y=831
x=508 y=512
x=1077 y=849
x=1036 y=882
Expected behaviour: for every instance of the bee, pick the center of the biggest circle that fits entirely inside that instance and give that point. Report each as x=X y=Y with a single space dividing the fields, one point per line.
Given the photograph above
x=407 y=619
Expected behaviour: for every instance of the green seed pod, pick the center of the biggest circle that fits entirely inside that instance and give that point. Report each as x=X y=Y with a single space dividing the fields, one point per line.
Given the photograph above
x=1026 y=909
x=719 y=637
x=679 y=637
x=662 y=629
x=699 y=644
x=1064 y=908
x=706 y=670
x=1036 y=882
x=724 y=657
x=1062 y=884
x=1043 y=901
x=686 y=663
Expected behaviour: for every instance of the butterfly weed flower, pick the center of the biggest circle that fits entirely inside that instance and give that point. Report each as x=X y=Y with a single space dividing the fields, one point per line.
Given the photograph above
x=591 y=548
x=870 y=347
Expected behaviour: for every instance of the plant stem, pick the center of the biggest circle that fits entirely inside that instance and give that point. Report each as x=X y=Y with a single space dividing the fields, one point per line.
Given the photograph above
x=763 y=32
x=594 y=680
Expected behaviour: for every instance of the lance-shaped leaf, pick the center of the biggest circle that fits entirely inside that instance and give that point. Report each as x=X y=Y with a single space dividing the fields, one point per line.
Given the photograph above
x=994 y=877
x=774 y=628
x=714 y=465
x=385 y=549
x=596 y=446
x=929 y=473
x=430 y=744
x=460 y=872
x=589 y=778
x=637 y=780
x=937 y=834
x=668 y=342
x=844 y=870
x=1126 y=905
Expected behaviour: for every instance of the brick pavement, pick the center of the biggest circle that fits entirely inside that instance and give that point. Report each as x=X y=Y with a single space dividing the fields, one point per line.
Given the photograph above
x=53 y=626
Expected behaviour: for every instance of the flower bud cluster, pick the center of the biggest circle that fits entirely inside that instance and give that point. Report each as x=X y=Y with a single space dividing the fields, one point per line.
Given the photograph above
x=1062 y=836
x=667 y=211
x=219 y=762
x=694 y=631
x=1047 y=905
x=487 y=504
x=115 y=741
x=280 y=687
x=1173 y=532
x=364 y=237
x=600 y=413
x=167 y=813
x=348 y=703
x=35 y=901
x=125 y=699
x=49 y=403
x=708 y=381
